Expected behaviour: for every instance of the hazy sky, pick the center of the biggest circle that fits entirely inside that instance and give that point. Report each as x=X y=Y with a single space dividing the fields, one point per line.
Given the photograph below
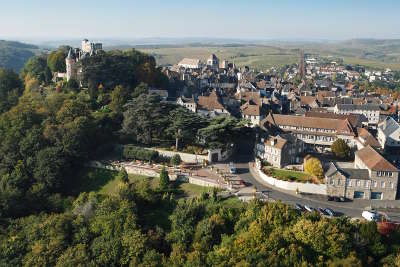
x=283 y=19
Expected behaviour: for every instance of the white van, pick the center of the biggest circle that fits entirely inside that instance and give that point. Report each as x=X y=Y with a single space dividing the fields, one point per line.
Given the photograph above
x=369 y=215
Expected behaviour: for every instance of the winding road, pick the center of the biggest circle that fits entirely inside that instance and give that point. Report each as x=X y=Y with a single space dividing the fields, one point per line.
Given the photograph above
x=351 y=208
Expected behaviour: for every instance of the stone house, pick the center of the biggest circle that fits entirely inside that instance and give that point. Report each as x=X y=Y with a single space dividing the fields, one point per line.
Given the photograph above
x=188 y=103
x=253 y=112
x=373 y=177
x=280 y=150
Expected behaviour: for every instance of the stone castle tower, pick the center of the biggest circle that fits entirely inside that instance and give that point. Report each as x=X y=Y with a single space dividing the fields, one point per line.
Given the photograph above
x=73 y=60
x=70 y=63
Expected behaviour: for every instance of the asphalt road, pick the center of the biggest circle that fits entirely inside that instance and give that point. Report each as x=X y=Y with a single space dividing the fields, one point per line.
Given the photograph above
x=351 y=209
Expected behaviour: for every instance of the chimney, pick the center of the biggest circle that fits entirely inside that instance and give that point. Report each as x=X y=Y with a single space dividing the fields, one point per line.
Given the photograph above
x=273 y=142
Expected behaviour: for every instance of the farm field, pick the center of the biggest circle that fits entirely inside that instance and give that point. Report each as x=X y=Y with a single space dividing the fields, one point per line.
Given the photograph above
x=378 y=54
x=258 y=57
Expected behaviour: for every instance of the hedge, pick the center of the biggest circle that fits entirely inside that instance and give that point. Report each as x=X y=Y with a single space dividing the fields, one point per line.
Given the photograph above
x=137 y=153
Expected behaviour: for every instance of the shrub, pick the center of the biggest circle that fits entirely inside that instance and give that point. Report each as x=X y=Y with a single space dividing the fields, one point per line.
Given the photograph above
x=176 y=160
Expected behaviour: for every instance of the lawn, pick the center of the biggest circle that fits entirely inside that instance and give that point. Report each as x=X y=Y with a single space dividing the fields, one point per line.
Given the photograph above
x=105 y=182
x=191 y=190
x=111 y=187
x=288 y=175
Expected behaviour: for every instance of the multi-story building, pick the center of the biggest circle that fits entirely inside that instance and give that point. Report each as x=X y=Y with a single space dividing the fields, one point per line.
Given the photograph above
x=373 y=177
x=280 y=150
x=254 y=112
x=389 y=134
x=190 y=63
x=314 y=131
x=370 y=111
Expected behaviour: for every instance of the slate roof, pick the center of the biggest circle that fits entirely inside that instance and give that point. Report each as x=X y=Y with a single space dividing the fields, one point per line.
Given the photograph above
x=389 y=126
x=351 y=107
x=358 y=174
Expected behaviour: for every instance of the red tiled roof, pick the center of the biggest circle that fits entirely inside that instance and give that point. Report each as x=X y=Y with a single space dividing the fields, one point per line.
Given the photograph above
x=373 y=160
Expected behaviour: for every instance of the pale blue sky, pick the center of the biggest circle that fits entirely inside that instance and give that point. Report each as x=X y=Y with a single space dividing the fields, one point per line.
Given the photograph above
x=256 y=19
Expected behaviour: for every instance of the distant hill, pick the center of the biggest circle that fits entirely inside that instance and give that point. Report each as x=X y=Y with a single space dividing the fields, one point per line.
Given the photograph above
x=13 y=55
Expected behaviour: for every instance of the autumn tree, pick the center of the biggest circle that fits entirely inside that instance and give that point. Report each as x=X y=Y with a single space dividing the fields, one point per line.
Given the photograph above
x=313 y=167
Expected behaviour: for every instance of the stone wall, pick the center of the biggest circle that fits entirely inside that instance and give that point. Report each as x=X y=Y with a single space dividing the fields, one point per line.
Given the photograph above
x=141 y=170
x=311 y=188
x=186 y=157
x=204 y=182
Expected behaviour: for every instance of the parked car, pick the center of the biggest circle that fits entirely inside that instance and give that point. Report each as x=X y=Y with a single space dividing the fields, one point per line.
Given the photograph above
x=329 y=212
x=232 y=170
x=370 y=215
x=309 y=208
x=339 y=199
x=330 y=198
x=321 y=211
x=298 y=207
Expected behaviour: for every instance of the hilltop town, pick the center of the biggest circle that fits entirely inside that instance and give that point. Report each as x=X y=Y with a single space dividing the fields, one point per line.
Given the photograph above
x=302 y=110
x=181 y=163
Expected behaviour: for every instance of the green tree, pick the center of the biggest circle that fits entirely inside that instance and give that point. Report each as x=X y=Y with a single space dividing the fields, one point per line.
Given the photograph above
x=144 y=118
x=119 y=96
x=183 y=126
x=314 y=167
x=341 y=149
x=72 y=84
x=37 y=68
x=10 y=89
x=164 y=179
x=142 y=88
x=123 y=176
x=56 y=59
x=176 y=160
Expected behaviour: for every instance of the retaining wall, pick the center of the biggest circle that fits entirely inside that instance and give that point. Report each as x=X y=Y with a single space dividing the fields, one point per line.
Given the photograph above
x=293 y=186
x=204 y=182
x=186 y=157
x=201 y=181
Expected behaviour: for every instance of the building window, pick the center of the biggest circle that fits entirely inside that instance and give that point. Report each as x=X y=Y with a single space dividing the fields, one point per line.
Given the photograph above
x=331 y=181
x=348 y=182
x=358 y=183
x=382 y=184
x=366 y=184
x=391 y=184
x=374 y=183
